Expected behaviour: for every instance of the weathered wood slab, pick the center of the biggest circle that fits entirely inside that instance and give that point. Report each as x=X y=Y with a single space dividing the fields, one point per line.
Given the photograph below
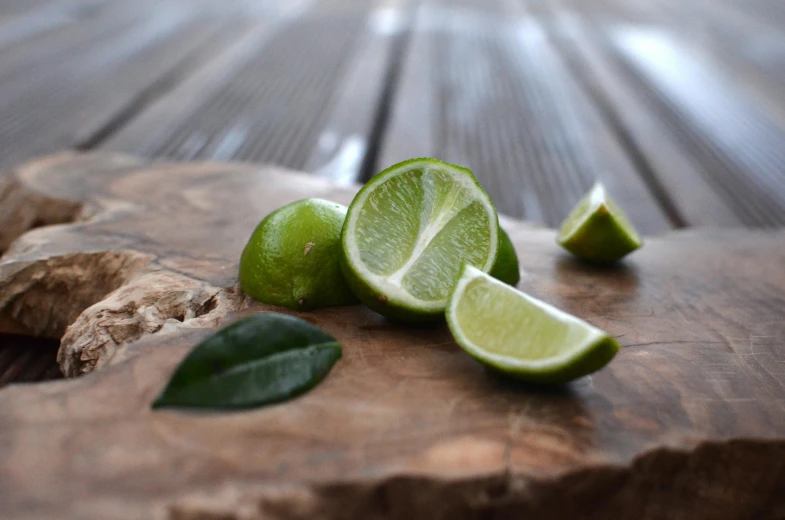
x=688 y=422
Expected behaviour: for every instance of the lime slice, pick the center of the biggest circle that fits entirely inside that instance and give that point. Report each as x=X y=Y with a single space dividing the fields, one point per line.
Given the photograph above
x=522 y=336
x=409 y=231
x=597 y=230
x=291 y=258
x=506 y=266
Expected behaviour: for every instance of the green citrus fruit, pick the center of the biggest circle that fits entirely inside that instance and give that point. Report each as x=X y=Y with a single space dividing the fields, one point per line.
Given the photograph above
x=522 y=336
x=409 y=231
x=597 y=229
x=292 y=257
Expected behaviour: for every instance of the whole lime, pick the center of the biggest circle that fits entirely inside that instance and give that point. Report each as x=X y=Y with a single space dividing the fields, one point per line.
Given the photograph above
x=292 y=257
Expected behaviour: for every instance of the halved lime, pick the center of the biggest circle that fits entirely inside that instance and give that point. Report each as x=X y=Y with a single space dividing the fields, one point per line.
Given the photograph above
x=408 y=232
x=597 y=229
x=506 y=267
x=522 y=336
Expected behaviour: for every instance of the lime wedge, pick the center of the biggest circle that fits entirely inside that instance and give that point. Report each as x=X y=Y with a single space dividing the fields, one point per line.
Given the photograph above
x=408 y=232
x=597 y=229
x=506 y=266
x=522 y=336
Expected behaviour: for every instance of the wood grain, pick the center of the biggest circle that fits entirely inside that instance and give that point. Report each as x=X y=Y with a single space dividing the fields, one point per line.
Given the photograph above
x=489 y=91
x=686 y=423
x=537 y=106
x=301 y=90
x=68 y=87
x=731 y=131
x=681 y=186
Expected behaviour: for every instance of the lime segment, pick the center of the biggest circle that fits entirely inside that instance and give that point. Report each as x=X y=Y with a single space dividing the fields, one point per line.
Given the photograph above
x=522 y=336
x=597 y=229
x=409 y=231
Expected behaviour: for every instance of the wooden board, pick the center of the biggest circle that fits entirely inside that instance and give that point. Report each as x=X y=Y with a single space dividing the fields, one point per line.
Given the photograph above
x=687 y=422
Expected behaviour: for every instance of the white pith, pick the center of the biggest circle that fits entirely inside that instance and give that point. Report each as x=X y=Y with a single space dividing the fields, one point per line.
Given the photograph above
x=470 y=273
x=390 y=285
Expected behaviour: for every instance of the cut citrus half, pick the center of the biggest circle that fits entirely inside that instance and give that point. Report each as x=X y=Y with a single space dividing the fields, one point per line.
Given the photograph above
x=597 y=229
x=408 y=232
x=522 y=336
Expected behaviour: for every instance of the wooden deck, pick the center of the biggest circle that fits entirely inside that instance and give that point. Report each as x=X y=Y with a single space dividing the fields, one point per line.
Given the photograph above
x=678 y=106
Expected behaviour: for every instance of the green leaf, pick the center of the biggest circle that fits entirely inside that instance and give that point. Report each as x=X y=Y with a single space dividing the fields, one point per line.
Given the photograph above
x=263 y=359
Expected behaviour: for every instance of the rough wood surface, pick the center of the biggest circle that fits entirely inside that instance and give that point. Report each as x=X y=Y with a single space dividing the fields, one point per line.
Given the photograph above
x=688 y=422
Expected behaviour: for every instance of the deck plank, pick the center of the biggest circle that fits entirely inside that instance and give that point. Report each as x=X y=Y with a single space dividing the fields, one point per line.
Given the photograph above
x=751 y=47
x=348 y=143
x=68 y=96
x=491 y=92
x=739 y=142
x=670 y=171
x=294 y=93
x=692 y=85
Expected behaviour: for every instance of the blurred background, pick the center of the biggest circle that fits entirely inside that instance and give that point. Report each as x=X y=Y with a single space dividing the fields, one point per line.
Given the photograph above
x=678 y=106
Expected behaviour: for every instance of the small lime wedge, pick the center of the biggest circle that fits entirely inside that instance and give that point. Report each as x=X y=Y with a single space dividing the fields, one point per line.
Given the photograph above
x=408 y=232
x=506 y=267
x=597 y=229
x=522 y=336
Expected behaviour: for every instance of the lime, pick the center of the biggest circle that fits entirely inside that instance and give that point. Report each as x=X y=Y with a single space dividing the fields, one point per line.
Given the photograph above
x=292 y=257
x=506 y=266
x=522 y=336
x=409 y=231
x=597 y=229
